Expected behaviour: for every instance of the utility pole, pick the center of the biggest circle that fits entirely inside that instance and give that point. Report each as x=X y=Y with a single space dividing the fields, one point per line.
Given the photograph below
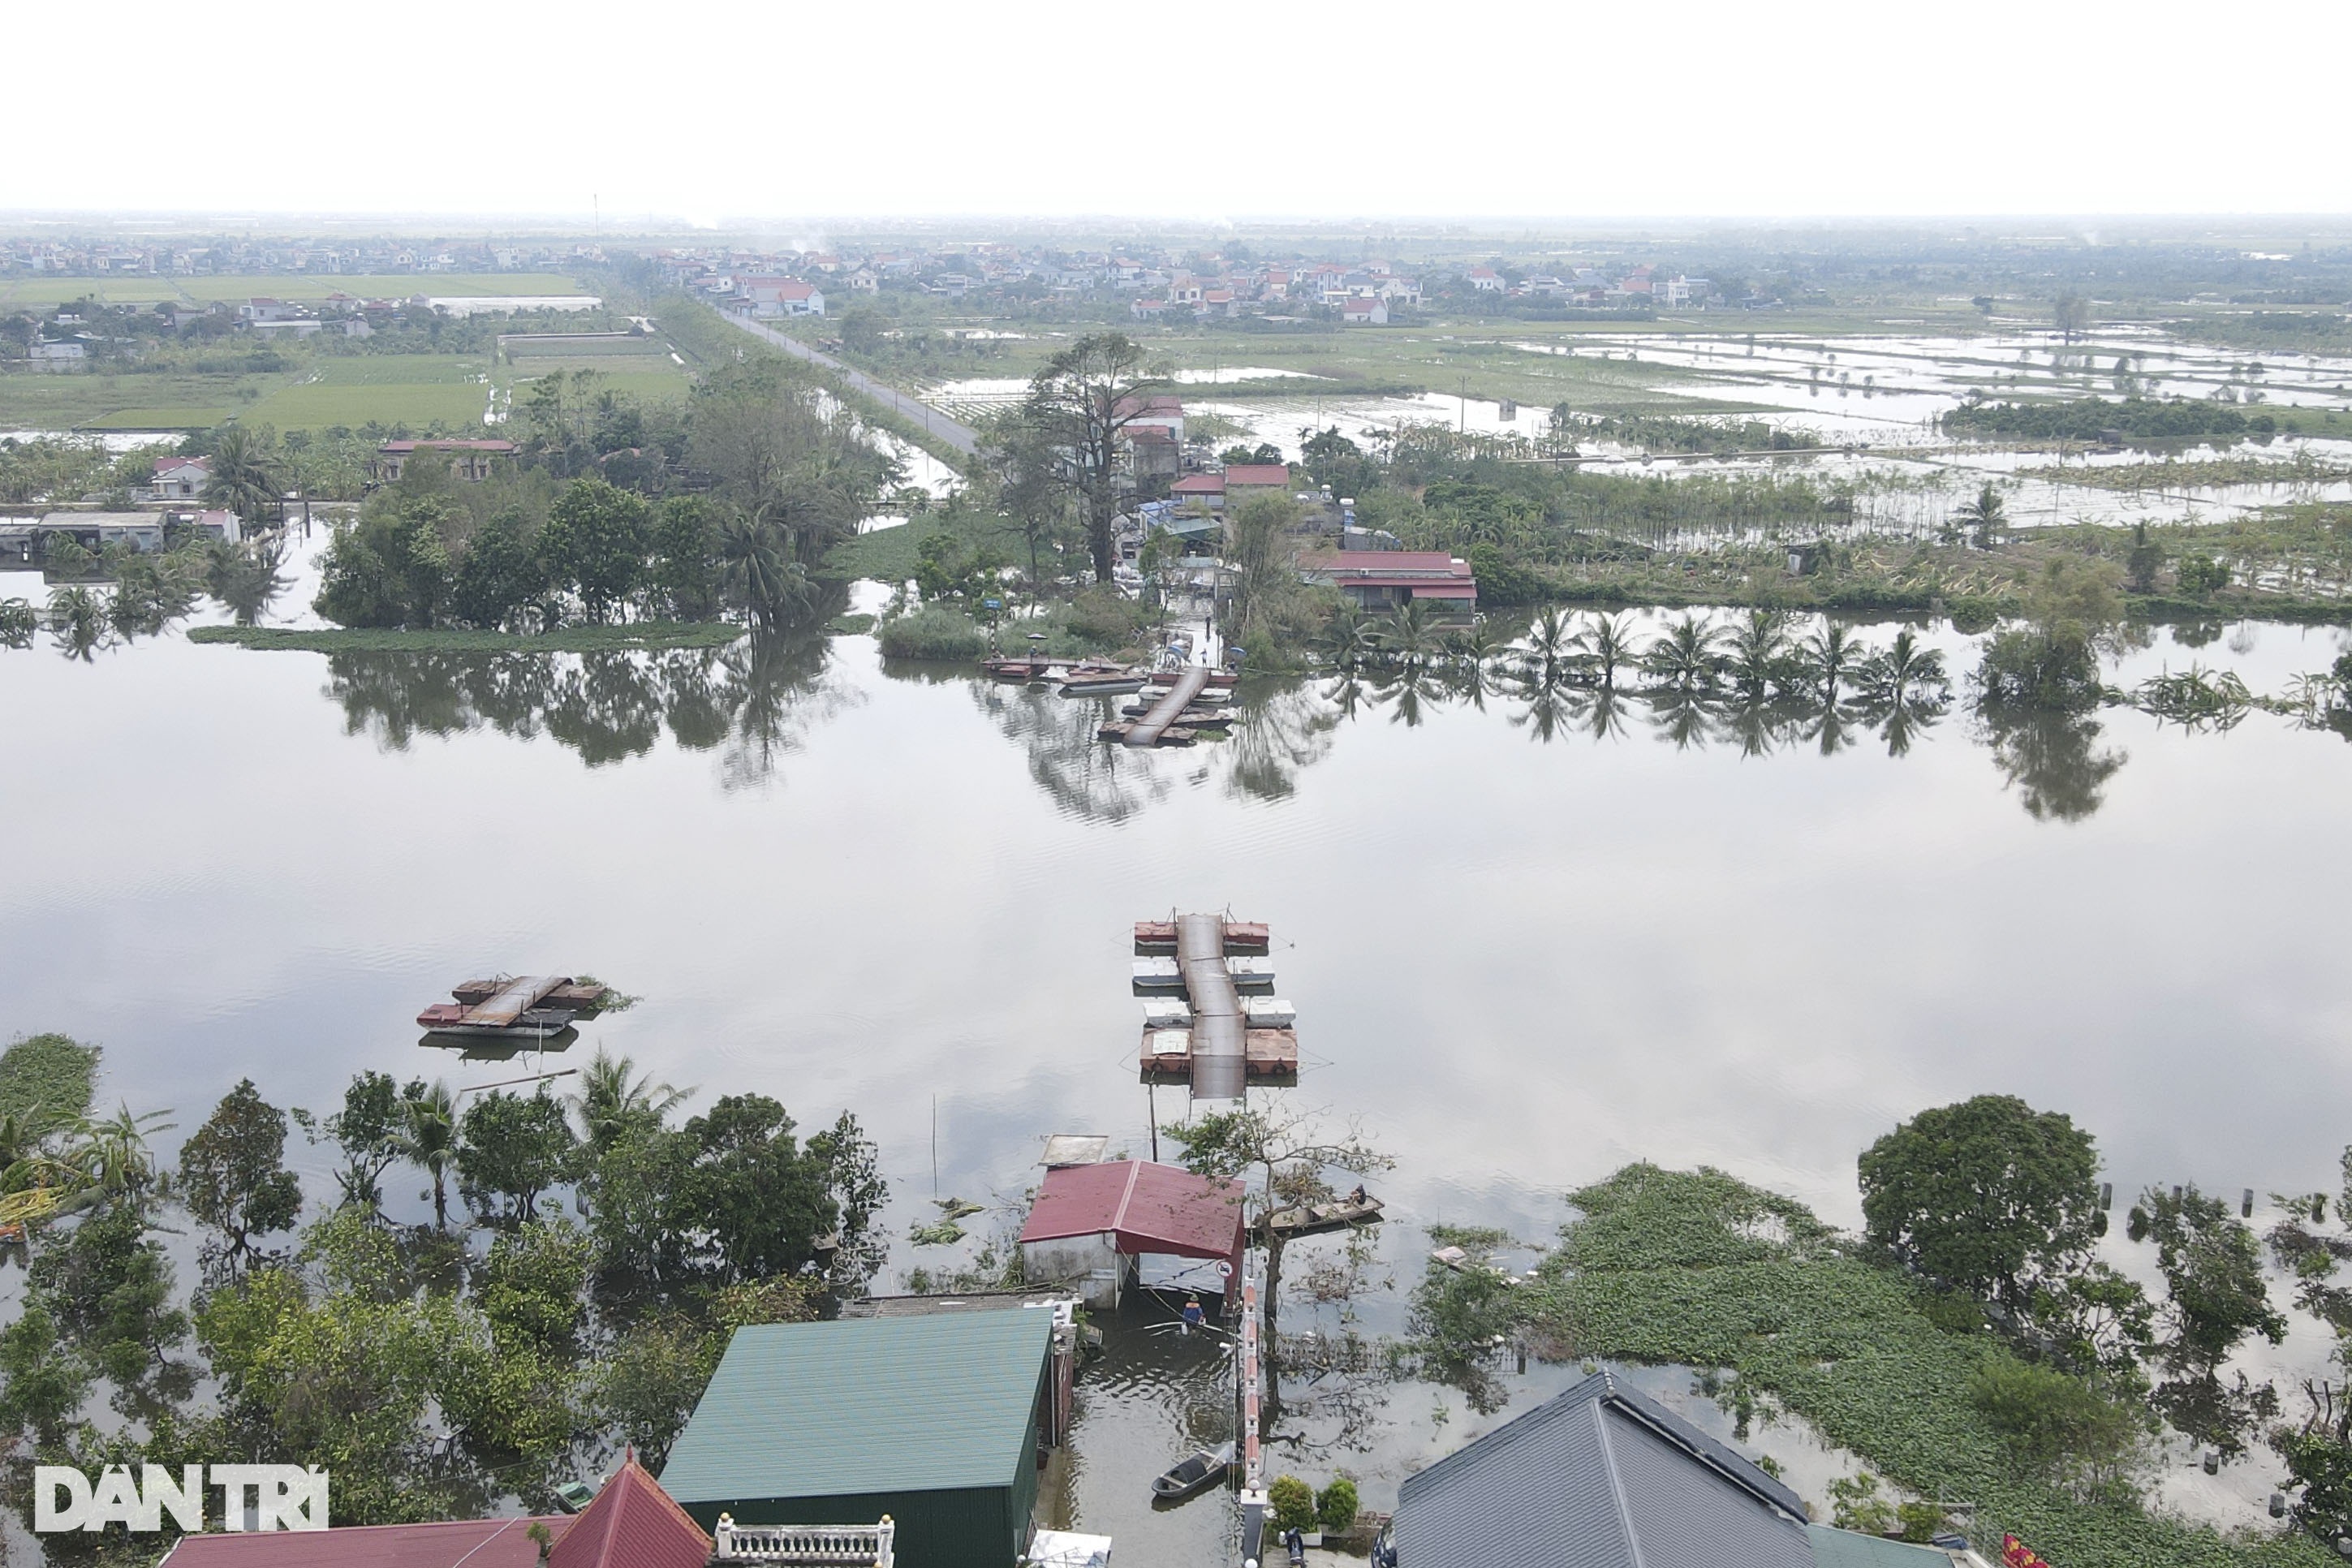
x=1253 y=1455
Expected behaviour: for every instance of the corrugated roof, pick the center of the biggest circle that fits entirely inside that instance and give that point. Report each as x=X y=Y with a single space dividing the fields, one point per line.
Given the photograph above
x=1845 y=1549
x=1247 y=474
x=475 y=1543
x=1598 y=1477
x=865 y=1404
x=633 y=1523
x=1151 y=1208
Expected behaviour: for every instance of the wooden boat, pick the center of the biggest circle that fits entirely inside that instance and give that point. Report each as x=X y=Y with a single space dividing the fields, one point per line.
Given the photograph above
x=1101 y=682
x=1191 y=718
x=514 y=1006
x=1018 y=667
x=1195 y=1472
x=1317 y=1219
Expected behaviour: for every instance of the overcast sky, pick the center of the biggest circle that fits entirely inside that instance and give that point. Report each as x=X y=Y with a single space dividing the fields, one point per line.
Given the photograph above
x=1797 y=108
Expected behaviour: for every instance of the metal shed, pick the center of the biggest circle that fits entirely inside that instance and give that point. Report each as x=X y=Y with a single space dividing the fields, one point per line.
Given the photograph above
x=932 y=1420
x=1092 y=1225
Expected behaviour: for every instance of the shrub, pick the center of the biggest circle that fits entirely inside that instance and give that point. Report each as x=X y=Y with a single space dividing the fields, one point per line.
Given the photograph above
x=1336 y=1507
x=1294 y=1504
x=933 y=632
x=2202 y=575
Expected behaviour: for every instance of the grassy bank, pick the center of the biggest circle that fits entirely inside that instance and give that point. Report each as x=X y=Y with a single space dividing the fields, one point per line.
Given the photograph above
x=1700 y=1268
x=454 y=640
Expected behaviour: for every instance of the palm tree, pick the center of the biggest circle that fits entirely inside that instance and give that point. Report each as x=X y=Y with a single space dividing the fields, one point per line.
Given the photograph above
x=1907 y=672
x=612 y=1100
x=1757 y=647
x=1984 y=515
x=773 y=586
x=1407 y=637
x=428 y=1139
x=1347 y=637
x=1604 y=644
x=245 y=477
x=1830 y=657
x=1686 y=657
x=1549 y=647
x=111 y=1159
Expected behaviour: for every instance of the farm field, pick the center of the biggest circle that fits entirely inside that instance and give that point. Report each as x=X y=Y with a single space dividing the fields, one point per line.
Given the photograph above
x=16 y=293
x=30 y=400
x=414 y=390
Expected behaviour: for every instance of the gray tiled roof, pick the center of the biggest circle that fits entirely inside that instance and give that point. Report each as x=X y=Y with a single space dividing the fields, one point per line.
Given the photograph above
x=1598 y=1477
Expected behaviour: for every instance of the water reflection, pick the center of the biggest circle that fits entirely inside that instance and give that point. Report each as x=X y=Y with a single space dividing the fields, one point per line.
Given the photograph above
x=753 y=701
x=2054 y=761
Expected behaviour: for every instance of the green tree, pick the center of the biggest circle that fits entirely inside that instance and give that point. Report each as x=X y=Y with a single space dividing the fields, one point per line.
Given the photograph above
x=367 y=1130
x=610 y=1101
x=855 y=1184
x=1266 y=568
x=109 y=1289
x=233 y=1173
x=1687 y=655
x=648 y=1383
x=2054 y=1423
x=1984 y=516
x=595 y=545
x=499 y=575
x=758 y=1201
x=2213 y=1268
x=1604 y=645
x=1988 y=1196
x=1079 y=405
x=689 y=568
x=514 y=1147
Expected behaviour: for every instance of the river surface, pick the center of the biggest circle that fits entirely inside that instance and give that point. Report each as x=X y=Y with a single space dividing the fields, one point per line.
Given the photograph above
x=1526 y=946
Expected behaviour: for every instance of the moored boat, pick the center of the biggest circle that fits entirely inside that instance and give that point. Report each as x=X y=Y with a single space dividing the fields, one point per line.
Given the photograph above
x=525 y=1006
x=1195 y=1472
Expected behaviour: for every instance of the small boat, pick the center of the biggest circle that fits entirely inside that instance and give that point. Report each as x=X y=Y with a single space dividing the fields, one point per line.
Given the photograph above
x=1196 y=1472
x=1158 y=975
x=1251 y=973
x=1195 y=718
x=1269 y=1013
x=1317 y=1219
x=1011 y=666
x=1101 y=682
x=1241 y=936
x=1166 y=1014
x=573 y=1496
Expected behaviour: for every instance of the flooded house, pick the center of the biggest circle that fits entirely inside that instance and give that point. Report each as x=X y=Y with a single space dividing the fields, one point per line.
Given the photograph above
x=631 y=1524
x=937 y=1421
x=1387 y=579
x=1126 y=1225
x=1603 y=1475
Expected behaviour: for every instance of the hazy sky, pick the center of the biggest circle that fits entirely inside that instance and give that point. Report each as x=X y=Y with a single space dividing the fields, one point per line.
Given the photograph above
x=1800 y=107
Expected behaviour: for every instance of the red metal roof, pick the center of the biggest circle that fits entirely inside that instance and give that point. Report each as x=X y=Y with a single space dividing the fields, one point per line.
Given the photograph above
x=633 y=1523
x=1148 y=1207
x=1199 y=485
x=1274 y=475
x=402 y=447
x=475 y=1543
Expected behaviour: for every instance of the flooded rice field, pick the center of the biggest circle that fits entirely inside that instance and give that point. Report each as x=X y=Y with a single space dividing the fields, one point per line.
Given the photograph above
x=1528 y=942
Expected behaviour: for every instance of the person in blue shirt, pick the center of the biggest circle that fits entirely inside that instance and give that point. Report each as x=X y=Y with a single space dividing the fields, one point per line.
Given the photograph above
x=1192 y=1313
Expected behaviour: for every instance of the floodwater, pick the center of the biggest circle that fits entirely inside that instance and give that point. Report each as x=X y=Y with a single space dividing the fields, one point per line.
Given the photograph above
x=1526 y=943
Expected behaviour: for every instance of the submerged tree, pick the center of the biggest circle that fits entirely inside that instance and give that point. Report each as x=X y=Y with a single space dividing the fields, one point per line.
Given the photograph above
x=1989 y=1195
x=1079 y=407
x=232 y=1175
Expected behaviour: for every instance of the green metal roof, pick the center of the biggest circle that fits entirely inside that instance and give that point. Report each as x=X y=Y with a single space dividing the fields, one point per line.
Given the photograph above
x=1848 y=1549
x=865 y=1404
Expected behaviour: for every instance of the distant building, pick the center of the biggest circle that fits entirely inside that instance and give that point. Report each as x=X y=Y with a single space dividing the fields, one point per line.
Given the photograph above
x=469 y=460
x=1207 y=489
x=1381 y=579
x=935 y=1420
x=179 y=479
x=57 y=355
x=1486 y=280
x=780 y=296
x=1364 y=313
x=1246 y=481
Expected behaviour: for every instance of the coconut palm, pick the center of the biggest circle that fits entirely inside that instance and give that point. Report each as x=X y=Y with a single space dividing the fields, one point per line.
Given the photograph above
x=1549 y=646
x=245 y=475
x=1604 y=645
x=1683 y=716
x=612 y=1100
x=428 y=1139
x=1830 y=657
x=109 y=1159
x=1984 y=516
x=1687 y=655
x=1409 y=637
x=1757 y=648
x=1907 y=672
x=760 y=569
x=1348 y=639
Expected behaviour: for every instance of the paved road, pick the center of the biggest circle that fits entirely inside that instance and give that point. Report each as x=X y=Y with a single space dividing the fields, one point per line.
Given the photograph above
x=962 y=437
